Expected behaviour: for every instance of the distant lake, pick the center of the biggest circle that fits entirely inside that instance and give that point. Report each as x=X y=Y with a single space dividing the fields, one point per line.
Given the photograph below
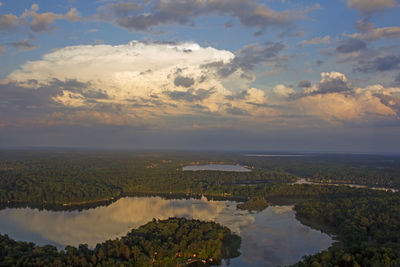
x=269 y=238
x=216 y=167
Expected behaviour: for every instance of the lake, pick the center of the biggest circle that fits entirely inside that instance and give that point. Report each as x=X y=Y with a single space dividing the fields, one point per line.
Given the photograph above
x=216 y=167
x=269 y=238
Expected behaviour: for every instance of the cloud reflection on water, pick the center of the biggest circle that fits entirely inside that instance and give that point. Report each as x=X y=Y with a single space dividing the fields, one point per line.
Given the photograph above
x=96 y=225
x=277 y=238
x=269 y=238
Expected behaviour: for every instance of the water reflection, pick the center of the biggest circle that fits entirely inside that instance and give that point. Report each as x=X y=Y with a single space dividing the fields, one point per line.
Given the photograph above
x=102 y=223
x=271 y=237
x=277 y=238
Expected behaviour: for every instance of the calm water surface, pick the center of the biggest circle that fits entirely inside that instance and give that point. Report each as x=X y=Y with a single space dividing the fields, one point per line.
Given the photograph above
x=269 y=238
x=216 y=167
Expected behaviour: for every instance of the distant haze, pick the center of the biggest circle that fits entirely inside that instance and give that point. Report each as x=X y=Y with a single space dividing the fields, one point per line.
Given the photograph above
x=124 y=138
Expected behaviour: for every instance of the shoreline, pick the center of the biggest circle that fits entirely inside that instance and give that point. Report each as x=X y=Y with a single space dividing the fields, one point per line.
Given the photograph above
x=386 y=189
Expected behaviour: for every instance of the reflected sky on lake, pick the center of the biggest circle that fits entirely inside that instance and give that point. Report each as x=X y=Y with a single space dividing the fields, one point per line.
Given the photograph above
x=269 y=238
x=102 y=223
x=277 y=238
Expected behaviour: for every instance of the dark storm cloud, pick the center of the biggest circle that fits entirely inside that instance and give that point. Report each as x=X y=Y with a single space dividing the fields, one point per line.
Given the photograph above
x=248 y=76
x=228 y=24
x=190 y=95
x=212 y=65
x=330 y=83
x=153 y=101
x=92 y=94
x=304 y=84
x=75 y=86
x=143 y=15
x=351 y=45
x=202 y=79
x=183 y=81
x=42 y=22
x=254 y=54
x=241 y=95
x=121 y=9
x=8 y=22
x=200 y=107
x=264 y=105
x=35 y=102
x=371 y=6
x=368 y=31
x=21 y=105
x=397 y=79
x=364 y=25
x=71 y=84
x=391 y=101
x=149 y=71
x=336 y=85
x=15 y=96
x=251 y=55
x=379 y=64
x=236 y=111
x=24 y=45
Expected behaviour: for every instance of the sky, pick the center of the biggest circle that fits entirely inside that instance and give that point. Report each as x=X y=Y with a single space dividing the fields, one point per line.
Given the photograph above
x=201 y=74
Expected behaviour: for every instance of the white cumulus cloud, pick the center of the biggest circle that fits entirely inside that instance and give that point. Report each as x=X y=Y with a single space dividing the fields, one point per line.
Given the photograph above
x=334 y=98
x=283 y=90
x=179 y=85
x=144 y=79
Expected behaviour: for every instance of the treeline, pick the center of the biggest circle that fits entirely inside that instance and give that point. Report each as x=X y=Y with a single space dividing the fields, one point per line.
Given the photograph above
x=366 y=223
x=367 y=227
x=370 y=170
x=73 y=178
x=171 y=242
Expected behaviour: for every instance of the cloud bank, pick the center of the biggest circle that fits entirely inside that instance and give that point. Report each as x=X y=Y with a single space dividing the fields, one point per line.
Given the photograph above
x=141 y=81
x=184 y=86
x=143 y=15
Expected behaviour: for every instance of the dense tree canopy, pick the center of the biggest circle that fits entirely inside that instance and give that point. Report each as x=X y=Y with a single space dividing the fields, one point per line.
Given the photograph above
x=158 y=243
x=68 y=177
x=368 y=229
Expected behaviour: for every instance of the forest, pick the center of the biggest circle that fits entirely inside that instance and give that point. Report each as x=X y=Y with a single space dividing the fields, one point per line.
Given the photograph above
x=368 y=228
x=171 y=242
x=66 y=178
x=364 y=222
